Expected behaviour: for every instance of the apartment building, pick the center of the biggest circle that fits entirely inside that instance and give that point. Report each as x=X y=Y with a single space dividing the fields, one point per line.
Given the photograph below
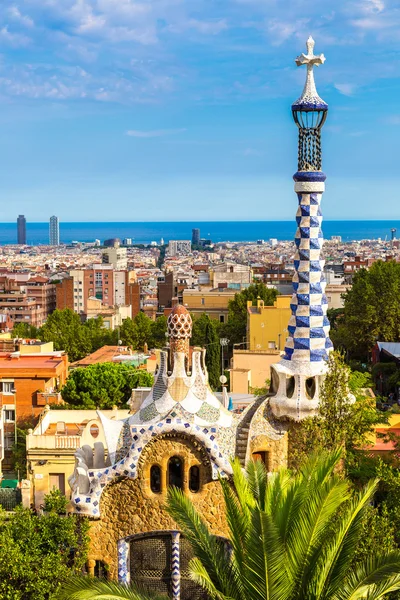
x=29 y=379
x=28 y=299
x=103 y=282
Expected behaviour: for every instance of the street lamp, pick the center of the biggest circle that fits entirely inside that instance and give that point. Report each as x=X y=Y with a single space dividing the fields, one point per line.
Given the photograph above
x=224 y=342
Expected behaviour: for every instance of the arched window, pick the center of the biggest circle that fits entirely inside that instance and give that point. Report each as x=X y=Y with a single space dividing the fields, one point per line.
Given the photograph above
x=175 y=472
x=155 y=479
x=194 y=478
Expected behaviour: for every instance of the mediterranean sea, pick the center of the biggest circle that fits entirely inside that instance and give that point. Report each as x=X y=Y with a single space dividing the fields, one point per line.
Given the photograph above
x=217 y=231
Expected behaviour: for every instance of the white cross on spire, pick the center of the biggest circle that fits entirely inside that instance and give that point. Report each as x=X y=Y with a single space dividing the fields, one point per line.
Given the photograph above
x=310 y=60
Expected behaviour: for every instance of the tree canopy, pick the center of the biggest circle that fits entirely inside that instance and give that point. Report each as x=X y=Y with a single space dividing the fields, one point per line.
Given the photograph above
x=142 y=330
x=371 y=310
x=103 y=385
x=38 y=554
x=213 y=354
x=346 y=418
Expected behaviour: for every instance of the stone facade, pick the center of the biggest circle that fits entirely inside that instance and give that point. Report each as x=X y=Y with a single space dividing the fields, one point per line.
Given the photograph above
x=180 y=435
x=129 y=507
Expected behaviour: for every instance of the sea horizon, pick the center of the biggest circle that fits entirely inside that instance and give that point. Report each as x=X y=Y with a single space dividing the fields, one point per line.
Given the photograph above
x=145 y=232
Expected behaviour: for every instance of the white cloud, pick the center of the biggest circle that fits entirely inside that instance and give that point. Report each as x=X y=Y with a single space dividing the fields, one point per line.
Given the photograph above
x=347 y=89
x=208 y=27
x=15 y=14
x=16 y=40
x=153 y=133
x=374 y=6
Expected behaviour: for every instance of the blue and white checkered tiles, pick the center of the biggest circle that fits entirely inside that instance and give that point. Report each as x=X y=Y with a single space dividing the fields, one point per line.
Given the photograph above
x=308 y=328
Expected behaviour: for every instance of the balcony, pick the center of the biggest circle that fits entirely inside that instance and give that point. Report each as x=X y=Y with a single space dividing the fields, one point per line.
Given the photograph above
x=43 y=398
x=53 y=442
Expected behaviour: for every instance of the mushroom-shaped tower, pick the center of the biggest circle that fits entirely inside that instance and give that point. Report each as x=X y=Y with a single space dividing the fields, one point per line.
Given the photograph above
x=296 y=379
x=179 y=331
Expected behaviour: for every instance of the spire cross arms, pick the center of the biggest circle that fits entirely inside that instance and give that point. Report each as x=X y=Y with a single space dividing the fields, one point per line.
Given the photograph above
x=310 y=59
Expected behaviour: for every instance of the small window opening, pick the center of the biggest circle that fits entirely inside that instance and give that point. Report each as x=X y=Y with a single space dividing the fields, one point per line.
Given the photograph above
x=310 y=387
x=262 y=456
x=101 y=570
x=194 y=479
x=155 y=479
x=290 y=383
x=175 y=472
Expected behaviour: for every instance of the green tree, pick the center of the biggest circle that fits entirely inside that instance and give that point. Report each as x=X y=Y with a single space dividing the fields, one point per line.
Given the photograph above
x=103 y=385
x=56 y=502
x=137 y=332
x=213 y=359
x=199 y=329
x=290 y=538
x=65 y=330
x=346 y=415
x=158 y=331
x=127 y=332
x=18 y=456
x=97 y=335
x=38 y=554
x=143 y=328
x=235 y=328
x=371 y=309
x=25 y=330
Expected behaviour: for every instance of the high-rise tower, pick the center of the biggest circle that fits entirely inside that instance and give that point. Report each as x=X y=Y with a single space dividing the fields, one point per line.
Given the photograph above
x=21 y=230
x=54 y=231
x=296 y=379
x=196 y=236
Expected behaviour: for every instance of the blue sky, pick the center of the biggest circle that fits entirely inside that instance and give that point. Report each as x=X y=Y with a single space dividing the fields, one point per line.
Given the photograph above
x=180 y=109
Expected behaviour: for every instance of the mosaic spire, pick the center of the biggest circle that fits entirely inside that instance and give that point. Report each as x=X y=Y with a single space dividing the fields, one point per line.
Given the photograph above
x=296 y=379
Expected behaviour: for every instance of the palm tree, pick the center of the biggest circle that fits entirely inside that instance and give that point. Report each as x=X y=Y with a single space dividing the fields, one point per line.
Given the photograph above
x=291 y=537
x=88 y=588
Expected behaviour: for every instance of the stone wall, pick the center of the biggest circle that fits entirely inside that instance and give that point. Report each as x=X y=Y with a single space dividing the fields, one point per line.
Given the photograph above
x=268 y=434
x=129 y=506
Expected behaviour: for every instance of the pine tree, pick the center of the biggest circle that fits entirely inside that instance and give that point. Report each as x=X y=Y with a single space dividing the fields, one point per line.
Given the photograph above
x=213 y=359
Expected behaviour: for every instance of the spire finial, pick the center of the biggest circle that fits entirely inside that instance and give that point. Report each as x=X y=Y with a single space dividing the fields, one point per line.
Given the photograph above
x=309 y=98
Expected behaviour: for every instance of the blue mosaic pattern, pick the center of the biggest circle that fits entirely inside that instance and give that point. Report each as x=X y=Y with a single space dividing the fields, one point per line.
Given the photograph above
x=123 y=558
x=308 y=327
x=175 y=567
x=88 y=504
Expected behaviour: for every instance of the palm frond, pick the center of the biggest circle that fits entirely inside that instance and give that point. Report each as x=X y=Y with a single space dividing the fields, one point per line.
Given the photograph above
x=238 y=523
x=372 y=579
x=336 y=558
x=200 y=575
x=89 y=588
x=265 y=576
x=206 y=546
x=257 y=480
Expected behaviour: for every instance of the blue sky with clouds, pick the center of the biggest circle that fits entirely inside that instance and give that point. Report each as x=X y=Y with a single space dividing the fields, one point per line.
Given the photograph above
x=180 y=109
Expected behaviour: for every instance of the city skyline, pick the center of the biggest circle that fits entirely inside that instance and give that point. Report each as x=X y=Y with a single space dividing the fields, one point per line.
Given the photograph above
x=146 y=107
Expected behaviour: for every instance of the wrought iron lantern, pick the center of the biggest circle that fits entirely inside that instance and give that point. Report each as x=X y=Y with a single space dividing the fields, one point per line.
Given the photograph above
x=309 y=114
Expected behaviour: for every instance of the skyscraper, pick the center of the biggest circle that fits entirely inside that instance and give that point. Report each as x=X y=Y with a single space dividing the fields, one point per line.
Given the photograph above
x=54 y=232
x=195 y=237
x=21 y=230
